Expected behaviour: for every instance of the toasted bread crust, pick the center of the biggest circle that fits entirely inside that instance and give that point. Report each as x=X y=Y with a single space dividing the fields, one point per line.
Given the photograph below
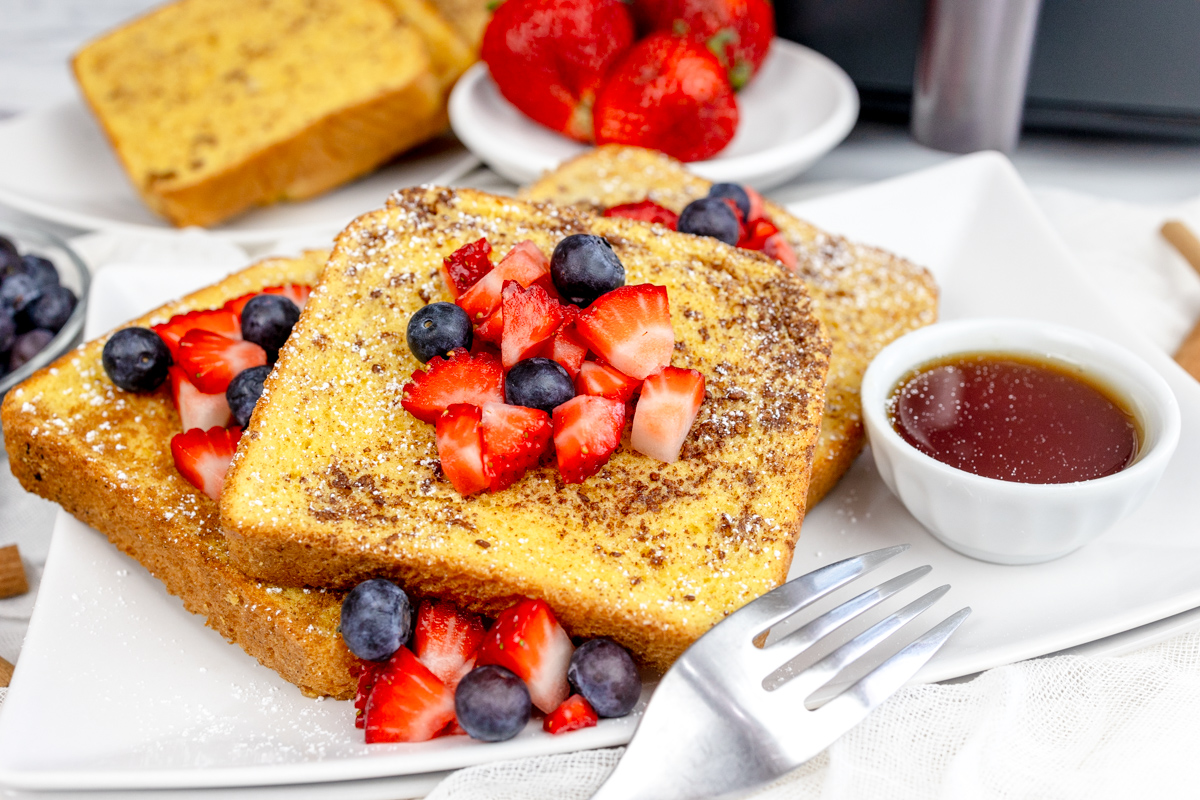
x=335 y=482
x=104 y=456
x=866 y=297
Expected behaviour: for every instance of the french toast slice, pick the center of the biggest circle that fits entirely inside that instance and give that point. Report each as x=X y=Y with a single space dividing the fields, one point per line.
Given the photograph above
x=866 y=297
x=104 y=455
x=335 y=482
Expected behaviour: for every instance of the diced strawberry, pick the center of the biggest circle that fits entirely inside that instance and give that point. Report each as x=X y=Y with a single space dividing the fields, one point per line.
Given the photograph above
x=778 y=248
x=460 y=378
x=528 y=641
x=756 y=234
x=445 y=640
x=218 y=320
x=573 y=714
x=530 y=318
x=491 y=330
x=646 y=211
x=630 y=328
x=757 y=204
x=238 y=303
x=525 y=264
x=601 y=380
x=367 y=675
x=296 y=292
x=211 y=360
x=586 y=432
x=567 y=347
x=197 y=409
x=665 y=412
x=454 y=729
x=460 y=448
x=408 y=702
x=737 y=214
x=202 y=457
x=463 y=268
x=514 y=439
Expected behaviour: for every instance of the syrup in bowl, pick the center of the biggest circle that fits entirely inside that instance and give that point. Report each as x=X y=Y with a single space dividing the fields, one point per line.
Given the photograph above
x=1014 y=417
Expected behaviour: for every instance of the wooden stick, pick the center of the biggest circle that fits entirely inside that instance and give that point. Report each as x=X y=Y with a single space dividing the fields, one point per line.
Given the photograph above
x=1181 y=237
x=6 y=671
x=12 y=572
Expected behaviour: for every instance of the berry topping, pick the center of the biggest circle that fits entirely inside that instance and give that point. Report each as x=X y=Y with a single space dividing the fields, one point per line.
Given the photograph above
x=196 y=409
x=202 y=456
x=8 y=331
x=18 y=291
x=604 y=673
x=586 y=432
x=734 y=192
x=437 y=329
x=646 y=211
x=492 y=704
x=630 y=328
x=376 y=619
x=445 y=640
x=267 y=320
x=668 y=94
x=407 y=703
x=40 y=269
x=458 y=378
x=538 y=383
x=566 y=348
x=665 y=412
x=572 y=715
x=52 y=310
x=28 y=345
x=710 y=216
x=463 y=268
x=601 y=380
x=218 y=320
x=778 y=248
x=212 y=360
x=758 y=206
x=10 y=259
x=584 y=267
x=529 y=318
x=136 y=359
x=243 y=392
x=757 y=233
x=528 y=640
x=525 y=264
x=491 y=330
x=368 y=673
x=298 y=293
x=460 y=448
x=514 y=439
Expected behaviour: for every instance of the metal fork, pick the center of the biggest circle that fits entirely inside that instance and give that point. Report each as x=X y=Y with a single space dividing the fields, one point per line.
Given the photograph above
x=730 y=716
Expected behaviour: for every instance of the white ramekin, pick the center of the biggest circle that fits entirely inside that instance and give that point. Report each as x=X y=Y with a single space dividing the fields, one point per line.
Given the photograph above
x=1003 y=521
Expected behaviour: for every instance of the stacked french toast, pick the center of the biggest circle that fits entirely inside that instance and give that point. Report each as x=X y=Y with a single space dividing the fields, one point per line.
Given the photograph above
x=337 y=480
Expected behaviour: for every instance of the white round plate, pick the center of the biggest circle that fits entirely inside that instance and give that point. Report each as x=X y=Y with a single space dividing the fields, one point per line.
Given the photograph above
x=56 y=164
x=797 y=109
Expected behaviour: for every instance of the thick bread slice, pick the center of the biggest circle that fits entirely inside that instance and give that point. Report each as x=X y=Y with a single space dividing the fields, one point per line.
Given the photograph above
x=104 y=455
x=449 y=52
x=335 y=482
x=866 y=297
x=469 y=18
x=215 y=106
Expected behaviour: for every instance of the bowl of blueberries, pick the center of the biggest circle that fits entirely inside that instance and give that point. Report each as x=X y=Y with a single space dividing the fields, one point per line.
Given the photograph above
x=43 y=299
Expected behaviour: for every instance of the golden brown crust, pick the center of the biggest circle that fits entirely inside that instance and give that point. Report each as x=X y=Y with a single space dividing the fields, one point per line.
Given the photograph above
x=335 y=482
x=103 y=455
x=865 y=296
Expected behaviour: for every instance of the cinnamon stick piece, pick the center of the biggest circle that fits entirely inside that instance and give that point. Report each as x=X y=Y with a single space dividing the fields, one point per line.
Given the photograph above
x=6 y=671
x=1182 y=239
x=12 y=572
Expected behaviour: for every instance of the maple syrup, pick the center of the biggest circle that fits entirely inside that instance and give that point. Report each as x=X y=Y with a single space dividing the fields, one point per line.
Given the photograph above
x=1014 y=418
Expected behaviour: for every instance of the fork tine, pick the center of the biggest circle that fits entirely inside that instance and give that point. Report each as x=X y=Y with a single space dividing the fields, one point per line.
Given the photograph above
x=798 y=641
x=783 y=601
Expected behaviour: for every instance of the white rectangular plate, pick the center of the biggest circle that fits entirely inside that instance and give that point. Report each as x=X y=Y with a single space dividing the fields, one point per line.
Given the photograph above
x=118 y=686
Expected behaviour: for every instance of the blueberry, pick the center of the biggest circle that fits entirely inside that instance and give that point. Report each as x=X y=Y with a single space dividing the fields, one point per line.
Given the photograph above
x=437 y=329
x=136 y=359
x=267 y=321
x=244 y=391
x=8 y=330
x=18 y=291
x=604 y=673
x=376 y=619
x=584 y=267
x=538 y=383
x=492 y=704
x=28 y=345
x=10 y=259
x=52 y=310
x=734 y=192
x=710 y=216
x=40 y=269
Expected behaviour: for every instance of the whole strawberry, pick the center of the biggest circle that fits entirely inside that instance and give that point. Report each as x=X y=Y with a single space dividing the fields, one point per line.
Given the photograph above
x=549 y=57
x=738 y=32
x=669 y=94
